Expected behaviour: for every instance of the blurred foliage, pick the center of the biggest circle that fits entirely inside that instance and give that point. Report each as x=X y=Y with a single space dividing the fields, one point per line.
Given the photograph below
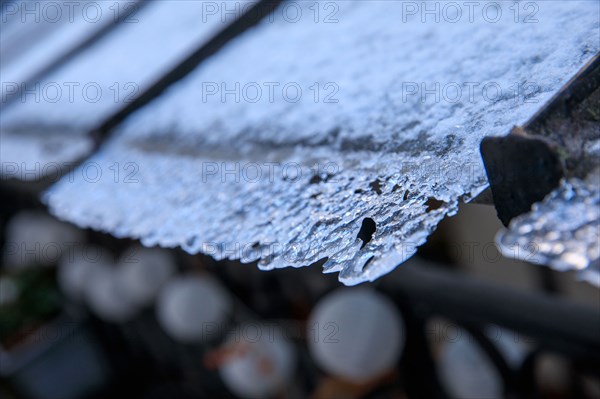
x=38 y=301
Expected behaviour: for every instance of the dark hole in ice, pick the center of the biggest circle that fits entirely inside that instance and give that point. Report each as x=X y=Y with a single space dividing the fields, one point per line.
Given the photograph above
x=433 y=204
x=376 y=186
x=366 y=231
x=192 y=241
x=320 y=178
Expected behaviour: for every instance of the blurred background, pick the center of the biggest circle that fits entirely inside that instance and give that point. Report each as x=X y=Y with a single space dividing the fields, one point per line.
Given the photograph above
x=86 y=315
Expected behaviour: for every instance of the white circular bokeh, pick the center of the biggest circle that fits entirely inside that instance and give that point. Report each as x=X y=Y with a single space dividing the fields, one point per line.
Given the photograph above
x=76 y=268
x=34 y=238
x=356 y=334
x=189 y=306
x=261 y=364
x=466 y=371
x=143 y=272
x=106 y=295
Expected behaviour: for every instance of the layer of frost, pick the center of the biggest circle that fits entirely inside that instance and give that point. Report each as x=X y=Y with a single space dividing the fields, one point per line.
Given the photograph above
x=97 y=82
x=562 y=231
x=288 y=180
